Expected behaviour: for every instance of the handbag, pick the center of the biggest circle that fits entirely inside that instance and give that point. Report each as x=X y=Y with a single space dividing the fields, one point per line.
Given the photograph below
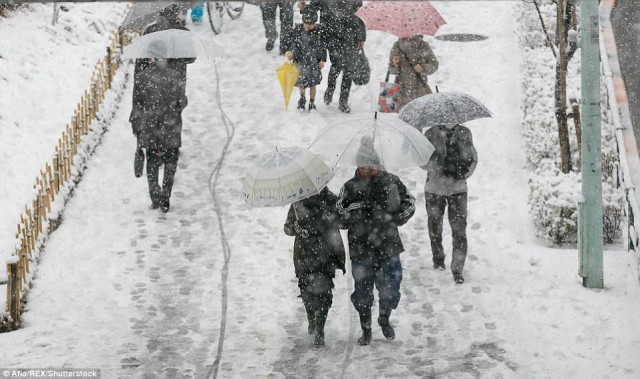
x=389 y=96
x=360 y=69
x=138 y=162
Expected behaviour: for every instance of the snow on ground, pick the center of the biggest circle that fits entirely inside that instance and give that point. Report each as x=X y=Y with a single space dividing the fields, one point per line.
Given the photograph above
x=209 y=288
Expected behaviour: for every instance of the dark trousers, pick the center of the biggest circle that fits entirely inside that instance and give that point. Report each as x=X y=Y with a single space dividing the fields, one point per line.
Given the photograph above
x=316 y=291
x=383 y=272
x=286 y=21
x=339 y=54
x=457 y=213
x=155 y=158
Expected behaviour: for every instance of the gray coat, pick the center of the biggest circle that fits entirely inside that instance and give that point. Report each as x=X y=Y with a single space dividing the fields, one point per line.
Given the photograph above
x=158 y=105
x=413 y=50
x=438 y=183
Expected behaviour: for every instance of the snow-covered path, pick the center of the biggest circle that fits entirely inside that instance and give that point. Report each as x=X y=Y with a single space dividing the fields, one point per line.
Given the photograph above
x=139 y=293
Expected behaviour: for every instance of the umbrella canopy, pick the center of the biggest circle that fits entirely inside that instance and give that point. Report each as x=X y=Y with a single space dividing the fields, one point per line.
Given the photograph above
x=174 y=43
x=143 y=13
x=401 y=18
x=358 y=140
x=443 y=108
x=287 y=76
x=285 y=176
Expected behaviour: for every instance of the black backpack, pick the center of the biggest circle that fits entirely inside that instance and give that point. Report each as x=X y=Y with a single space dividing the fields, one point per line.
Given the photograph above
x=459 y=158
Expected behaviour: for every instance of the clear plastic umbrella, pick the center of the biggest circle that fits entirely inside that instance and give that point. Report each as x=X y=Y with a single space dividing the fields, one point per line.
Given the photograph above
x=175 y=43
x=443 y=108
x=392 y=141
x=285 y=176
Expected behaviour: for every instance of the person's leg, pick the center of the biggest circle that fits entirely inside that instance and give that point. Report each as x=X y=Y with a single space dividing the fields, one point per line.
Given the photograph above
x=388 y=277
x=303 y=100
x=435 y=205
x=334 y=71
x=458 y=221
x=286 y=24
x=269 y=21
x=362 y=296
x=303 y=282
x=345 y=88
x=170 y=159
x=322 y=288
x=312 y=98
x=153 y=166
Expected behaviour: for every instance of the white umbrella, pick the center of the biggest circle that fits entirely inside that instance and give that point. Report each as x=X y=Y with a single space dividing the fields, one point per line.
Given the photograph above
x=285 y=176
x=174 y=43
x=396 y=143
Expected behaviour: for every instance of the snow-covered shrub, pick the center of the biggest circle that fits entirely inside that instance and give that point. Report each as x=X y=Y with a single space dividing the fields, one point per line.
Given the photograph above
x=6 y=323
x=553 y=197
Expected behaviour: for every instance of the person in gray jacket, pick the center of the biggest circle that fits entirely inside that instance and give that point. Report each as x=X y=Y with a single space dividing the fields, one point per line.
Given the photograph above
x=452 y=163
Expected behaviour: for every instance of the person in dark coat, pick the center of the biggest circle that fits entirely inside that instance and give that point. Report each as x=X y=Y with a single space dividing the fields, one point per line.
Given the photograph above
x=446 y=188
x=158 y=105
x=170 y=18
x=346 y=33
x=374 y=203
x=318 y=251
x=308 y=51
x=269 y=9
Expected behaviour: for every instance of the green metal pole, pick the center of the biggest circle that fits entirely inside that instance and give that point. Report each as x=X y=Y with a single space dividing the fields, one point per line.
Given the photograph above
x=590 y=217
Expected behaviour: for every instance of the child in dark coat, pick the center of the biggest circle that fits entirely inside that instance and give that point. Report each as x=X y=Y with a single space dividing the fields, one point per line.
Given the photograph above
x=318 y=251
x=308 y=51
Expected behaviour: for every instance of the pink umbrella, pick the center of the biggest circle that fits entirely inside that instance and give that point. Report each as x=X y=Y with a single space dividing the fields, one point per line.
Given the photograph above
x=401 y=18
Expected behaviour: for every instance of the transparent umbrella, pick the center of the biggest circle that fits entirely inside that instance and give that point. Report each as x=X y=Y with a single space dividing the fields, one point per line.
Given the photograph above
x=285 y=176
x=175 y=43
x=392 y=141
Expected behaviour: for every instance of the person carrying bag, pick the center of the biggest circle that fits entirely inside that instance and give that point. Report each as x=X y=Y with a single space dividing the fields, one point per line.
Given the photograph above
x=412 y=60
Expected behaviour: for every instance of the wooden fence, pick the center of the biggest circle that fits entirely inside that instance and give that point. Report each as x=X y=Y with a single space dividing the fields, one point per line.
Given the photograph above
x=34 y=223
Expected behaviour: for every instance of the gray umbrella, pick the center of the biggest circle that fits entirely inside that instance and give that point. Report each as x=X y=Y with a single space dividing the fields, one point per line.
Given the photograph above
x=442 y=108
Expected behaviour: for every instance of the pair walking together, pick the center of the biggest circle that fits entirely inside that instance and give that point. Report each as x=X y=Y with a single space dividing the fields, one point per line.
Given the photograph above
x=372 y=206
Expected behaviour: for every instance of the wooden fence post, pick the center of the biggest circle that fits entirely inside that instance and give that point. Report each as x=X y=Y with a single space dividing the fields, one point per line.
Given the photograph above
x=13 y=295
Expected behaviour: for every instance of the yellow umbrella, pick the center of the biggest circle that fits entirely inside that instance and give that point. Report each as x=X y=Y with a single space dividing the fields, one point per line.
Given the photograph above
x=287 y=76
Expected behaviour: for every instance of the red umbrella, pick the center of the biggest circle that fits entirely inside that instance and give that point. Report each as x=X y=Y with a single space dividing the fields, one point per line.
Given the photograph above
x=401 y=18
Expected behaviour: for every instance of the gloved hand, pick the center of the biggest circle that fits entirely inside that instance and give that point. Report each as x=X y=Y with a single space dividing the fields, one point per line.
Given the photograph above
x=304 y=233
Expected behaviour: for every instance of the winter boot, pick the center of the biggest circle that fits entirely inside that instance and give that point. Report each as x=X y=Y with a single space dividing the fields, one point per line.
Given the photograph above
x=312 y=106
x=301 y=103
x=311 y=318
x=321 y=318
x=269 y=45
x=344 y=107
x=365 y=323
x=458 y=278
x=438 y=264
x=387 y=329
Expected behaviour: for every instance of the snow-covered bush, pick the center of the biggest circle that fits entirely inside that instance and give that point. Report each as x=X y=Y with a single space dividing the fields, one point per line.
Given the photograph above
x=553 y=196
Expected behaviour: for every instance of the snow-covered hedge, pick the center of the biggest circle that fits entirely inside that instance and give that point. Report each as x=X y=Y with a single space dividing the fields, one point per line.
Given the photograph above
x=553 y=196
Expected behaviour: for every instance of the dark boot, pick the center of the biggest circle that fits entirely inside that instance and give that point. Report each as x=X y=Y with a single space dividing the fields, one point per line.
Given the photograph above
x=311 y=318
x=312 y=105
x=302 y=102
x=387 y=329
x=321 y=318
x=365 y=323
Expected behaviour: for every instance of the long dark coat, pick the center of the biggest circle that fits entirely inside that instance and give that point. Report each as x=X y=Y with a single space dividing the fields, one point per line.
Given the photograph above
x=309 y=49
x=160 y=103
x=333 y=13
x=374 y=208
x=413 y=50
x=323 y=251
x=166 y=22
